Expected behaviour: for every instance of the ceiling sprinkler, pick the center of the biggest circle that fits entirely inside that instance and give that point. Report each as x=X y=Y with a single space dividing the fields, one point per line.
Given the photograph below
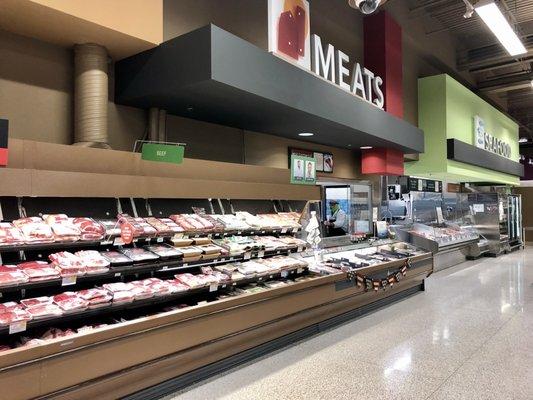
x=469 y=10
x=366 y=6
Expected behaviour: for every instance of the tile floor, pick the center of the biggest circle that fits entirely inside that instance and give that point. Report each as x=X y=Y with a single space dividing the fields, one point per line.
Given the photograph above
x=469 y=336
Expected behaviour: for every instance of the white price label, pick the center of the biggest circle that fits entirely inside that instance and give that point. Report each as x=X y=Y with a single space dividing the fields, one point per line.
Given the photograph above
x=223 y=286
x=159 y=240
x=261 y=254
x=118 y=241
x=117 y=274
x=234 y=283
x=294 y=230
x=260 y=279
x=300 y=270
x=251 y=233
x=16 y=327
x=106 y=242
x=284 y=274
x=185 y=264
x=247 y=255
x=213 y=287
x=300 y=249
x=69 y=280
x=239 y=233
x=284 y=230
x=164 y=268
x=271 y=277
x=210 y=235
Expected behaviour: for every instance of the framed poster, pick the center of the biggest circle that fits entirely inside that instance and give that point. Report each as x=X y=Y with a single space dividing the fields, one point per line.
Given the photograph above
x=319 y=157
x=303 y=170
x=324 y=161
x=328 y=162
x=289 y=30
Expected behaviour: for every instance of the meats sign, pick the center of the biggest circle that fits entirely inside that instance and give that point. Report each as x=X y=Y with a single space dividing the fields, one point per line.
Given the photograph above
x=289 y=36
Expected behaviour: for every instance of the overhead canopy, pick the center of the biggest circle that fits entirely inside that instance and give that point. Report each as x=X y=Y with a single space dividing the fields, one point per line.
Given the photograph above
x=211 y=75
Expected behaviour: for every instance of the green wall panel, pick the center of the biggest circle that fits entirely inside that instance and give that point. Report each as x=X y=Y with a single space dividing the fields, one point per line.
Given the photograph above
x=446 y=109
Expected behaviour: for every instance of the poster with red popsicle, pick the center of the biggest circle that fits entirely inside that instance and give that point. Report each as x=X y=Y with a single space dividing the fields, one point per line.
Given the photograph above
x=288 y=30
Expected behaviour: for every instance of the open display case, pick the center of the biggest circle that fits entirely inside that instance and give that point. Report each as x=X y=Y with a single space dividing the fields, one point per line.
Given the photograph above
x=202 y=281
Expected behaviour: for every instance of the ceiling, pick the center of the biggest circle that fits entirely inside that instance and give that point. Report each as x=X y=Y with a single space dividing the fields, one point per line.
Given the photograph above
x=479 y=54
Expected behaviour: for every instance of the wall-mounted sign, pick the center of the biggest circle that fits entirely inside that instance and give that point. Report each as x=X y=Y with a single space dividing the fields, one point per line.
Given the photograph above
x=486 y=141
x=289 y=36
x=303 y=170
x=324 y=161
x=163 y=153
x=424 y=185
x=3 y=142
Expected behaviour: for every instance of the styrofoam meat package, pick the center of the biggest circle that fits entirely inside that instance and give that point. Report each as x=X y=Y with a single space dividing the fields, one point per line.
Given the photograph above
x=175 y=228
x=207 y=279
x=117 y=287
x=35 y=230
x=68 y=264
x=139 y=255
x=164 y=251
x=97 y=297
x=111 y=226
x=38 y=271
x=44 y=311
x=10 y=275
x=36 y=301
x=190 y=280
x=177 y=286
x=9 y=306
x=253 y=221
x=90 y=230
x=161 y=227
x=10 y=235
x=116 y=258
x=217 y=226
x=280 y=221
x=158 y=286
x=70 y=302
x=192 y=223
x=292 y=241
x=126 y=296
x=63 y=228
x=141 y=291
x=232 y=222
x=94 y=262
x=14 y=315
x=148 y=230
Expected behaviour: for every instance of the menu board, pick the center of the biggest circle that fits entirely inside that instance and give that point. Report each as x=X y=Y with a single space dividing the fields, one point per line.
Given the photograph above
x=424 y=185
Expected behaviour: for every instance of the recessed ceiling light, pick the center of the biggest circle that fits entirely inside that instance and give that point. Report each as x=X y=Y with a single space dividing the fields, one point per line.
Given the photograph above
x=366 y=147
x=493 y=17
x=306 y=134
x=522 y=140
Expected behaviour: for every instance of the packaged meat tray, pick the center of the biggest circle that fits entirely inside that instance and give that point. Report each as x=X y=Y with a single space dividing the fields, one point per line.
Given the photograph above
x=232 y=223
x=38 y=271
x=15 y=315
x=181 y=241
x=161 y=228
x=139 y=255
x=192 y=223
x=175 y=228
x=116 y=258
x=191 y=254
x=190 y=280
x=10 y=235
x=36 y=301
x=164 y=251
x=201 y=241
x=94 y=262
x=70 y=302
x=35 y=230
x=126 y=296
x=97 y=297
x=142 y=292
x=44 y=311
x=68 y=264
x=118 y=287
x=177 y=286
x=111 y=226
x=210 y=249
x=11 y=275
x=90 y=230
x=63 y=228
x=148 y=230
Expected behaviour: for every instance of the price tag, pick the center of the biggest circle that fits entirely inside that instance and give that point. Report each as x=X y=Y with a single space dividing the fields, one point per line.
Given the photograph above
x=263 y=232
x=178 y=236
x=159 y=240
x=300 y=249
x=239 y=233
x=209 y=236
x=261 y=254
x=284 y=230
x=247 y=255
x=68 y=280
x=234 y=283
x=117 y=274
x=251 y=233
x=223 y=286
x=299 y=270
x=294 y=230
x=185 y=264
x=164 y=268
x=106 y=242
x=278 y=252
x=213 y=287
x=118 y=241
x=16 y=327
x=284 y=274
x=260 y=279
x=271 y=277
x=1 y=295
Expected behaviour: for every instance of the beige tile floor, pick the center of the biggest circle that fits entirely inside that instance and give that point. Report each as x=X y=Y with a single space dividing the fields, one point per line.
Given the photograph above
x=469 y=336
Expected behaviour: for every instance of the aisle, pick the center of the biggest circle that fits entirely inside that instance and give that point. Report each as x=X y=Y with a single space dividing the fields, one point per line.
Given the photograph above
x=469 y=336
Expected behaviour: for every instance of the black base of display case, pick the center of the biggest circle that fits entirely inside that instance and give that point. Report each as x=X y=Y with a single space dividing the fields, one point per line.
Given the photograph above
x=181 y=382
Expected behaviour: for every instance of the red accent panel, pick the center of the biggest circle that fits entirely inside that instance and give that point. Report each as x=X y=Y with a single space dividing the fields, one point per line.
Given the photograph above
x=383 y=56
x=300 y=28
x=288 y=35
x=3 y=157
x=382 y=161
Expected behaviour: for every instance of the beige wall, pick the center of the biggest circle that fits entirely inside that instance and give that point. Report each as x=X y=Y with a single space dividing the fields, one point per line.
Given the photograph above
x=142 y=19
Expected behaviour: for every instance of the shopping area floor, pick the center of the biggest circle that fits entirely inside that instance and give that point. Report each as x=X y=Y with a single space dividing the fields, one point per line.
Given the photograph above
x=469 y=336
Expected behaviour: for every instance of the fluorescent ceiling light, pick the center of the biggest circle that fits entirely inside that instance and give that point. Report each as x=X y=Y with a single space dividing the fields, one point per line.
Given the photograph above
x=366 y=147
x=491 y=14
x=306 y=134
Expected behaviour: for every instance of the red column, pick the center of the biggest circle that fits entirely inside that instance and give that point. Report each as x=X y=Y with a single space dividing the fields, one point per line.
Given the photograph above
x=383 y=56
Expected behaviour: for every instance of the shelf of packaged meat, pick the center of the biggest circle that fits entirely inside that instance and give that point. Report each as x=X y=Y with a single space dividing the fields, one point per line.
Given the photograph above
x=62 y=232
x=16 y=317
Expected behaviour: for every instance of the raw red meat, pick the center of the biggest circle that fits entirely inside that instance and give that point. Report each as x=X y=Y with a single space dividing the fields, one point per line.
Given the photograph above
x=36 y=301
x=63 y=228
x=142 y=292
x=12 y=276
x=89 y=228
x=16 y=315
x=70 y=302
x=94 y=262
x=125 y=296
x=35 y=230
x=39 y=271
x=44 y=311
x=9 y=235
x=68 y=264
x=96 y=297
